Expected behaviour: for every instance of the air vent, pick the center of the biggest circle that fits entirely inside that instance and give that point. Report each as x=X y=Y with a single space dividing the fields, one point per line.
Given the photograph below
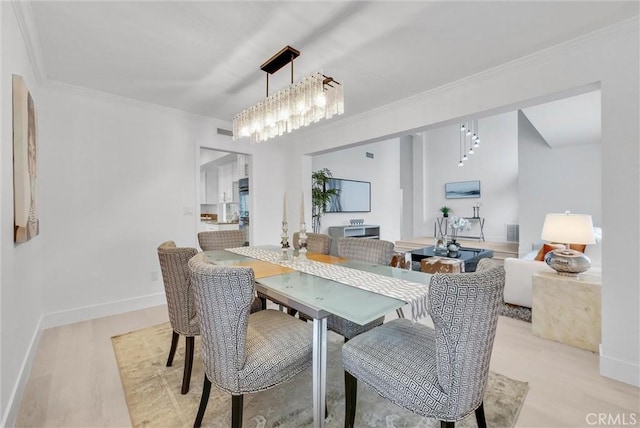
x=226 y=132
x=513 y=233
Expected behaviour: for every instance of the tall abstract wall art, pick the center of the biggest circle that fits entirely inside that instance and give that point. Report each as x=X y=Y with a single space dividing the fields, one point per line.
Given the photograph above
x=25 y=206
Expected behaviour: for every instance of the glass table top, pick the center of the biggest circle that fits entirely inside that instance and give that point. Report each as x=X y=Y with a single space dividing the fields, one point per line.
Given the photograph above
x=319 y=297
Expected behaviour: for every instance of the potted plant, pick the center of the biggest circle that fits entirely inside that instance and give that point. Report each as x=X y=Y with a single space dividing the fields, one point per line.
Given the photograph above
x=445 y=211
x=320 y=195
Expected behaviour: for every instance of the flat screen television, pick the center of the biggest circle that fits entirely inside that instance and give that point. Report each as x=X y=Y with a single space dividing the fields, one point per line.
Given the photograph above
x=353 y=196
x=462 y=189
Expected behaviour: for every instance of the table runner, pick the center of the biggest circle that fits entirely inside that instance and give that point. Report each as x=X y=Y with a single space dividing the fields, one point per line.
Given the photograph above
x=413 y=293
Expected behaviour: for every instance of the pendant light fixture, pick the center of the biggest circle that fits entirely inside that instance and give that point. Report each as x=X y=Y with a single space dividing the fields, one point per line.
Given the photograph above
x=468 y=133
x=301 y=104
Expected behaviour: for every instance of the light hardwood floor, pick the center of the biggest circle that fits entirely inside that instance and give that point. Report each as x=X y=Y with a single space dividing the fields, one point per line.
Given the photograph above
x=74 y=381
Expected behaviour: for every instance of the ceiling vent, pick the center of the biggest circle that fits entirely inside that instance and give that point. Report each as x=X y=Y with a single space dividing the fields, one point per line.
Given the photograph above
x=226 y=132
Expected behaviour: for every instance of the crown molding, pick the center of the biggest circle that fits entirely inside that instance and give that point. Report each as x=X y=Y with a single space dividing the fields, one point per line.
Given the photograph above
x=108 y=97
x=24 y=16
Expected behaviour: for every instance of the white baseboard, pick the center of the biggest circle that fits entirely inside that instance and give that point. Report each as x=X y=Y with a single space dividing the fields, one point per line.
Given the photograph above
x=13 y=403
x=623 y=371
x=56 y=319
x=70 y=316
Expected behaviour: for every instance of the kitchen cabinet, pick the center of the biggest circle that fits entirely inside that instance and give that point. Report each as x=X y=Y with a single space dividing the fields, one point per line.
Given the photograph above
x=219 y=226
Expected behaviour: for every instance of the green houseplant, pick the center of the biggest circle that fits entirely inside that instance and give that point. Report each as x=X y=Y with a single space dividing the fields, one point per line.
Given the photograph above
x=445 y=211
x=320 y=195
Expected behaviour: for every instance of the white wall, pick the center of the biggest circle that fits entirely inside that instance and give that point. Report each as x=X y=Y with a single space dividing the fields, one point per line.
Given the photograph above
x=555 y=180
x=21 y=265
x=494 y=163
x=383 y=173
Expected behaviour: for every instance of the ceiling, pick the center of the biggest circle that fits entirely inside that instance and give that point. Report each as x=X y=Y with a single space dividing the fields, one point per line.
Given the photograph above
x=204 y=57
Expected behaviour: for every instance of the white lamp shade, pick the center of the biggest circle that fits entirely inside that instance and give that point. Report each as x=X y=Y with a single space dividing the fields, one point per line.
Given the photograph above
x=568 y=228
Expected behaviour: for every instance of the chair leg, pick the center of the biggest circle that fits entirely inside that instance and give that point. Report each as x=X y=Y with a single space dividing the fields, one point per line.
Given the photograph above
x=263 y=301
x=206 y=389
x=482 y=423
x=236 y=411
x=351 y=395
x=174 y=345
x=188 y=363
x=445 y=424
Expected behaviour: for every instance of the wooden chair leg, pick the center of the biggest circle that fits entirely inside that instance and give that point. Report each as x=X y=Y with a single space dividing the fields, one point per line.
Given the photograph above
x=188 y=363
x=351 y=395
x=236 y=411
x=206 y=389
x=263 y=301
x=482 y=423
x=445 y=424
x=174 y=345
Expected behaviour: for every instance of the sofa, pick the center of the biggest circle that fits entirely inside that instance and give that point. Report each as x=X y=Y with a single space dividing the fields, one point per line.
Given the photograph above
x=519 y=271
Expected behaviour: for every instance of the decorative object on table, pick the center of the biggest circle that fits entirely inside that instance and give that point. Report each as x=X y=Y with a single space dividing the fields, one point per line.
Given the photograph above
x=453 y=248
x=356 y=221
x=469 y=140
x=440 y=246
x=476 y=211
x=445 y=211
x=462 y=189
x=302 y=236
x=301 y=104
x=569 y=229
x=457 y=224
x=284 y=241
x=25 y=215
x=320 y=196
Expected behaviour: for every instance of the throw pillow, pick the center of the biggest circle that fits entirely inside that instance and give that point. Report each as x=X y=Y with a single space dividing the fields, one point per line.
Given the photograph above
x=545 y=249
x=576 y=247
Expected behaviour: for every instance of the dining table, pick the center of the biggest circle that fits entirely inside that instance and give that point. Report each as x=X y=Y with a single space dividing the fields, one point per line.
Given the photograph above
x=320 y=285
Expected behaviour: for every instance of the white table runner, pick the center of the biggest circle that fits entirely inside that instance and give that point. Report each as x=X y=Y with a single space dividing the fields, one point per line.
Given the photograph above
x=413 y=293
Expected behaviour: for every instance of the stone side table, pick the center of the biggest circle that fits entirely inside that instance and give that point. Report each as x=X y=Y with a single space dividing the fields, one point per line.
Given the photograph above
x=567 y=309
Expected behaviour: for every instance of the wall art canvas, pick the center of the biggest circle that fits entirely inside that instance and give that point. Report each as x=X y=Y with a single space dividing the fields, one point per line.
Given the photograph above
x=462 y=189
x=25 y=206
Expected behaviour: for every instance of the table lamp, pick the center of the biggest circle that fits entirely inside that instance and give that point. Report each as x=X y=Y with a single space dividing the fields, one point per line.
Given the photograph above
x=568 y=229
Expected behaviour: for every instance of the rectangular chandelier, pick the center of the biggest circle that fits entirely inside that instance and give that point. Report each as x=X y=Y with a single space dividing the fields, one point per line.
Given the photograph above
x=314 y=98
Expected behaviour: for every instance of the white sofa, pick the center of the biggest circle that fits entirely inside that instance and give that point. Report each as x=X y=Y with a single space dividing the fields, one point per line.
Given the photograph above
x=519 y=272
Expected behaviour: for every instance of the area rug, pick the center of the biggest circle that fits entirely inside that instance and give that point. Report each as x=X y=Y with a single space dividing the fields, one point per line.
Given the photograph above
x=153 y=397
x=514 y=311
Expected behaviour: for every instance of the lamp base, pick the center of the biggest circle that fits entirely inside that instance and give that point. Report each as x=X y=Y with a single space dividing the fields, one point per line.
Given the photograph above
x=567 y=262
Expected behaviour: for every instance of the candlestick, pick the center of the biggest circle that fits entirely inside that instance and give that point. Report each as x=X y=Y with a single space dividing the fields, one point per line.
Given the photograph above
x=284 y=208
x=285 y=241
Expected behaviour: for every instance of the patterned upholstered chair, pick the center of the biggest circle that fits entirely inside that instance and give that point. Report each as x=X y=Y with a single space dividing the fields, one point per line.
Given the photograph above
x=221 y=239
x=180 y=302
x=448 y=365
x=243 y=353
x=316 y=242
x=365 y=250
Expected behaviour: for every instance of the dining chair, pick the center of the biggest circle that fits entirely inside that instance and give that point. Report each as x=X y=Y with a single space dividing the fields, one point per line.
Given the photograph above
x=180 y=302
x=448 y=365
x=243 y=353
x=365 y=250
x=316 y=242
x=221 y=239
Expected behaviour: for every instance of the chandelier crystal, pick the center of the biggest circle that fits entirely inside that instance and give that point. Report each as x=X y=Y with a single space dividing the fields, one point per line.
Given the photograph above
x=301 y=104
x=314 y=98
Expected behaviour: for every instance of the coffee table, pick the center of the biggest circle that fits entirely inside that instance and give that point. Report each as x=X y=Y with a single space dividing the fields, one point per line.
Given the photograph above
x=470 y=256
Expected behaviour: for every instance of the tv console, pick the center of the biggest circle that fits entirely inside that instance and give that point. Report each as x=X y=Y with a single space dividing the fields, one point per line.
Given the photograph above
x=367 y=231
